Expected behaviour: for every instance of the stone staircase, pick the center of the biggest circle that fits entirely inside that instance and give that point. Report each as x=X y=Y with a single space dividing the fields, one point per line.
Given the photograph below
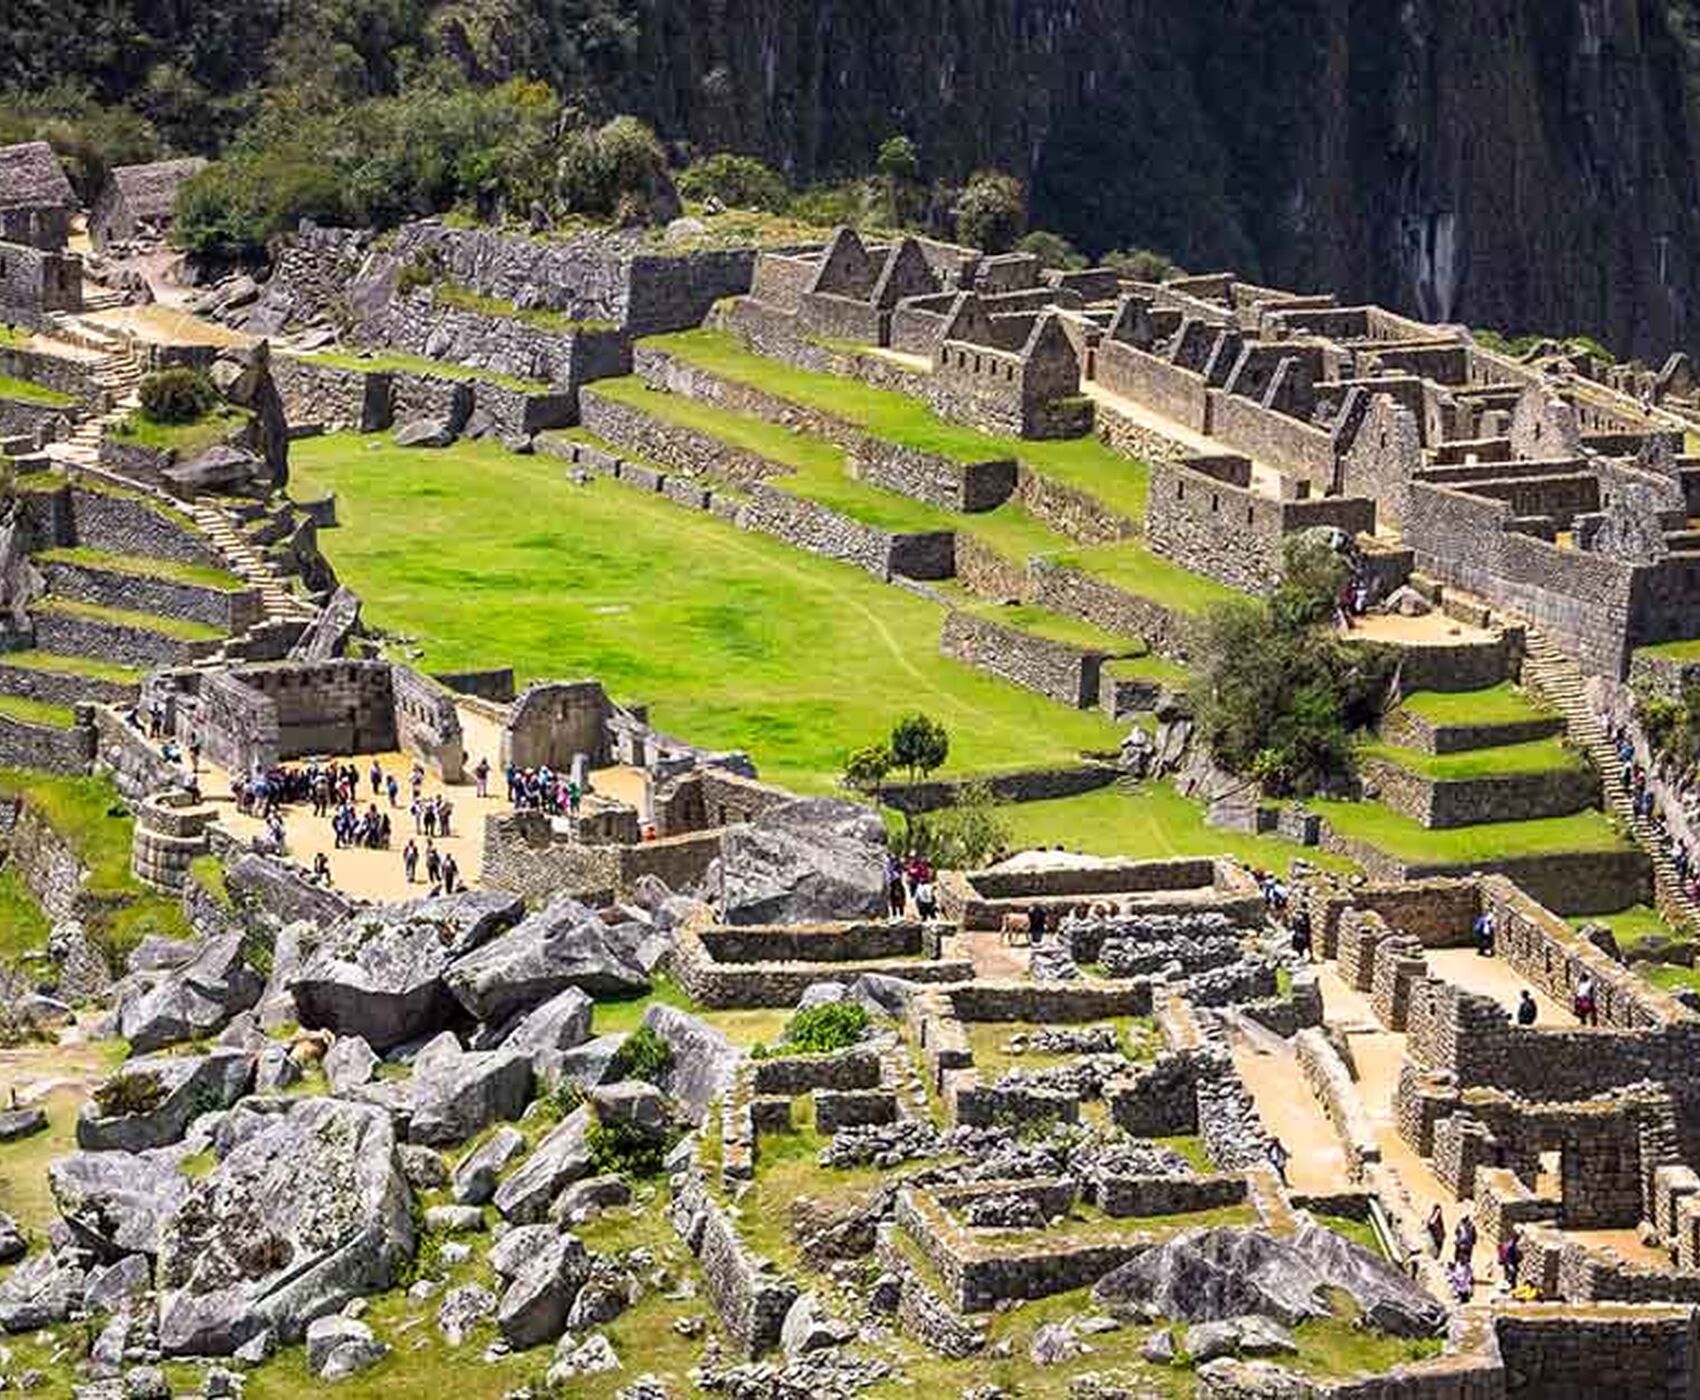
x=248 y=563
x=1559 y=681
x=117 y=373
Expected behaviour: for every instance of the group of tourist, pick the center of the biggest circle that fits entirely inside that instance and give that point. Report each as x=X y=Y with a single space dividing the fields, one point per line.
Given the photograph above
x=910 y=882
x=539 y=789
x=1461 y=1272
x=1642 y=787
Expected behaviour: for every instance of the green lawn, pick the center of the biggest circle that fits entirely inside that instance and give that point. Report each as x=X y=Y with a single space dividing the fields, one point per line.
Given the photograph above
x=1151 y=824
x=1501 y=760
x=400 y=362
x=185 y=439
x=86 y=666
x=27 y=711
x=23 y=925
x=1675 y=651
x=1500 y=704
x=736 y=640
x=169 y=570
x=1055 y=627
x=1147 y=668
x=1129 y=565
x=1086 y=463
x=1405 y=840
x=1633 y=926
x=25 y=391
x=174 y=627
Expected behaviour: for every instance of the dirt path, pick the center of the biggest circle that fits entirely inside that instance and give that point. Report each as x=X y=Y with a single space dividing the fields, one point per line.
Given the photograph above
x=1269 y=1069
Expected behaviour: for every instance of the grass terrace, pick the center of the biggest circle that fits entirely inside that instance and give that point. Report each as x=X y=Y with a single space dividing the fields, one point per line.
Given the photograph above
x=167 y=570
x=25 y=391
x=39 y=712
x=176 y=628
x=735 y=639
x=99 y=486
x=1688 y=650
x=399 y=362
x=450 y=293
x=1406 y=840
x=1086 y=463
x=1500 y=704
x=988 y=1041
x=1147 y=668
x=88 y=667
x=1130 y=566
x=23 y=925
x=1042 y=622
x=1154 y=822
x=1500 y=760
x=185 y=439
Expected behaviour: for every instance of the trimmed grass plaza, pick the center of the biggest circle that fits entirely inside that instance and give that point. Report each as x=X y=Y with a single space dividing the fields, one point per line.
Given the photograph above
x=735 y=640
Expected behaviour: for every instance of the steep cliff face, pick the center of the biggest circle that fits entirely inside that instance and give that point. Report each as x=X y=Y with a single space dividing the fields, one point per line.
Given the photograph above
x=1530 y=164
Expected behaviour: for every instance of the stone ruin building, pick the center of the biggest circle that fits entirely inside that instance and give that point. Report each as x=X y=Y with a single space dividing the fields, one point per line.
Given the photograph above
x=136 y=202
x=37 y=276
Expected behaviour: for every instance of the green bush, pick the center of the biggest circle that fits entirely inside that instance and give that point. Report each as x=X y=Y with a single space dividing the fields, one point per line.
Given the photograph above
x=821 y=1029
x=618 y=170
x=129 y=1093
x=738 y=182
x=968 y=834
x=644 y=1055
x=991 y=211
x=177 y=395
x=624 y=1149
x=1052 y=250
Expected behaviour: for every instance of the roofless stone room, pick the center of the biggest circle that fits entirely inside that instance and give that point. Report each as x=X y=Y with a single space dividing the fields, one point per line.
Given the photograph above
x=810 y=702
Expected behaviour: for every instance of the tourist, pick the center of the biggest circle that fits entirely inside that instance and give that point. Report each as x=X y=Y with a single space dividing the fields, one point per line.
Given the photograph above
x=377 y=776
x=926 y=899
x=1036 y=924
x=418 y=812
x=1463 y=1281
x=321 y=869
x=430 y=818
x=1483 y=929
x=451 y=874
x=195 y=751
x=1586 y=1007
x=1279 y=1157
x=433 y=865
x=393 y=790
x=410 y=859
x=1464 y=1240
x=481 y=776
x=1301 y=933
x=445 y=809
x=896 y=896
x=1526 y=1009
x=1436 y=1230
x=1510 y=1256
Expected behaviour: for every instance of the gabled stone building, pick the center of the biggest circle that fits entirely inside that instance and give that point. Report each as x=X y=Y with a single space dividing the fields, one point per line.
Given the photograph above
x=36 y=200
x=137 y=201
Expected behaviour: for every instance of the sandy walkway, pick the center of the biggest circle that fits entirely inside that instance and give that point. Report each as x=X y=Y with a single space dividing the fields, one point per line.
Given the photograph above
x=1269 y=1070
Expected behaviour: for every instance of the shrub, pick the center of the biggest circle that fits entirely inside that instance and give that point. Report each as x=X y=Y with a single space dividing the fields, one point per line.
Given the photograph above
x=1051 y=249
x=178 y=395
x=738 y=182
x=615 y=170
x=624 y=1149
x=644 y=1055
x=866 y=769
x=418 y=271
x=991 y=211
x=1142 y=264
x=965 y=835
x=837 y=1025
x=129 y=1093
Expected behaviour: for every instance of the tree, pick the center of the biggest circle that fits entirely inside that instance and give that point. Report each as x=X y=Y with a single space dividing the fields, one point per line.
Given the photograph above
x=966 y=835
x=617 y=170
x=1051 y=249
x=1141 y=264
x=919 y=744
x=867 y=769
x=1313 y=572
x=991 y=211
x=898 y=160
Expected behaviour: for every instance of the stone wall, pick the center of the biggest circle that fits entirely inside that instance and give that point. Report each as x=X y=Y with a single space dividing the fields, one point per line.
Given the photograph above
x=1063 y=672
x=720 y=968
x=49 y=868
x=112 y=641
x=60 y=373
x=1442 y=804
x=1172 y=635
x=1172 y=390
x=134 y=764
x=522 y=854
x=1331 y=1082
x=554 y=721
x=229 y=609
x=427 y=723
x=132 y=525
x=1412 y=731
x=34 y=284
x=37 y=423
x=48 y=747
x=1071 y=512
x=750 y=1297
x=63 y=688
x=1570 y=1353
x=987 y=574
x=374 y=400
x=805 y=524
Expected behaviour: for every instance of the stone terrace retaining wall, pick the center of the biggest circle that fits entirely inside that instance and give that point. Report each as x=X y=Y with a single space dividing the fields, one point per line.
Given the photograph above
x=38 y=422
x=1172 y=635
x=374 y=400
x=524 y=856
x=1459 y=666
x=56 y=688
x=57 y=372
x=1441 y=804
x=924 y=476
x=111 y=641
x=1071 y=512
x=1411 y=731
x=1023 y=785
x=1649 y=1352
x=750 y=1295
x=48 y=866
x=125 y=525
x=1062 y=672
x=47 y=747
x=782 y=982
x=234 y=610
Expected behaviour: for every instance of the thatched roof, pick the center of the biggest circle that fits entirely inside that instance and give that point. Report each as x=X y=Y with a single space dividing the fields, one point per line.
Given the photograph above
x=30 y=178
x=149 y=191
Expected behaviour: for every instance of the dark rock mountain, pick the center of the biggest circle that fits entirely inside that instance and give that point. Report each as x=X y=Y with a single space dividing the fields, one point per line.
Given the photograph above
x=1526 y=164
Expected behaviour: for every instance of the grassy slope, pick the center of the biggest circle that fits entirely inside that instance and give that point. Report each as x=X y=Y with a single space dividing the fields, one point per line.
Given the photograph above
x=40 y=712
x=1129 y=565
x=1499 y=704
x=73 y=666
x=175 y=627
x=24 y=391
x=737 y=640
x=185 y=439
x=23 y=925
x=1406 y=840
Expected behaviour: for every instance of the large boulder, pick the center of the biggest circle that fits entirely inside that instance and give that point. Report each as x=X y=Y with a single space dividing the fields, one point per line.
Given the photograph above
x=559 y=1160
x=151 y=1102
x=562 y=945
x=805 y=862
x=379 y=974
x=1210 y=1276
x=195 y=1000
x=562 y=1023
x=455 y=1100
x=476 y=1177
x=703 y=1062
x=297 y=1221
x=116 y=1202
x=41 y=1292
x=534 y=1308
x=339 y=1347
